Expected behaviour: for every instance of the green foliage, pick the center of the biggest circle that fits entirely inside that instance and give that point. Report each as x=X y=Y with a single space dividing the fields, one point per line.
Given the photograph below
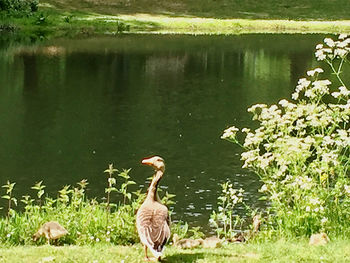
x=122 y=27
x=301 y=150
x=224 y=220
x=87 y=220
x=68 y=19
x=84 y=218
x=19 y=6
x=41 y=19
x=9 y=189
x=183 y=230
x=40 y=188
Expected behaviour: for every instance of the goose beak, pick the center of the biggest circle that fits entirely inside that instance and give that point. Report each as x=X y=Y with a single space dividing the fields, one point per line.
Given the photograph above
x=147 y=161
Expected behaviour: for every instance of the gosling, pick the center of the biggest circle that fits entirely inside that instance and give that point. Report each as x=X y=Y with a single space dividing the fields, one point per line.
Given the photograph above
x=212 y=242
x=186 y=243
x=319 y=239
x=52 y=230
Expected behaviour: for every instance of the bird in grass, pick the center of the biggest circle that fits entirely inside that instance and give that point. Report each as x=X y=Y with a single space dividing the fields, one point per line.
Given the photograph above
x=319 y=239
x=152 y=218
x=52 y=230
x=186 y=242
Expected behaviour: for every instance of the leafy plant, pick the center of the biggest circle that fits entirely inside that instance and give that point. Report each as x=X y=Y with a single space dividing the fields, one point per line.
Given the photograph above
x=183 y=230
x=124 y=186
x=42 y=19
x=111 y=183
x=40 y=188
x=9 y=189
x=224 y=220
x=301 y=149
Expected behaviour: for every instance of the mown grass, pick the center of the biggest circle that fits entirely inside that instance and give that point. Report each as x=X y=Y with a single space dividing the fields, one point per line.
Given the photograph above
x=55 y=23
x=276 y=251
x=71 y=18
x=253 y=9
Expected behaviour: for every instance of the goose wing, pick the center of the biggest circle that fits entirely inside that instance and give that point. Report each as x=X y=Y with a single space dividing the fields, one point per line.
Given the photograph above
x=153 y=226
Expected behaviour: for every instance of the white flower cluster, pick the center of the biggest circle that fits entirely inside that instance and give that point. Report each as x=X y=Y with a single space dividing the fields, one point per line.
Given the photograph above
x=333 y=49
x=311 y=89
x=343 y=92
x=230 y=133
x=314 y=72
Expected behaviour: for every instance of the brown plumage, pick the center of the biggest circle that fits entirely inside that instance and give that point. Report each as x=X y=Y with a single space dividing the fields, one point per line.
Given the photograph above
x=51 y=230
x=152 y=219
x=186 y=242
x=211 y=242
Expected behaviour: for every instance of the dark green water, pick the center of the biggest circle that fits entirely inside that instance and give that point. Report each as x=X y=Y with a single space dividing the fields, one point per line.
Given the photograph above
x=68 y=108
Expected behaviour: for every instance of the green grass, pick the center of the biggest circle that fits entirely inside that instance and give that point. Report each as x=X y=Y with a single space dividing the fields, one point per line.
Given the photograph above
x=278 y=251
x=51 y=22
x=82 y=17
x=249 y=9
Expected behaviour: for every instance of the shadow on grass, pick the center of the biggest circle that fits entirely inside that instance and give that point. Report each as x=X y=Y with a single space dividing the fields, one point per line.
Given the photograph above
x=183 y=257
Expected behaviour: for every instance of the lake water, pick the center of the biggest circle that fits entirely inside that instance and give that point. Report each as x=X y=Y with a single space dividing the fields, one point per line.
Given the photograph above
x=68 y=108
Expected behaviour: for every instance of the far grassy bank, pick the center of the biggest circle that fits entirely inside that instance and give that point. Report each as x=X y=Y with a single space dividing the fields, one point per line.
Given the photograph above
x=277 y=251
x=320 y=10
x=56 y=23
x=50 y=20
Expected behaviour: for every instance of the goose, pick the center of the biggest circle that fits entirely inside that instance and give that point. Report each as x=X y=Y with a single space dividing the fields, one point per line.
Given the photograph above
x=52 y=230
x=152 y=218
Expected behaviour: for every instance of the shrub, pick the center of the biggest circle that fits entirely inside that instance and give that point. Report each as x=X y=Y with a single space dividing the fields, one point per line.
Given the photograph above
x=300 y=150
x=19 y=5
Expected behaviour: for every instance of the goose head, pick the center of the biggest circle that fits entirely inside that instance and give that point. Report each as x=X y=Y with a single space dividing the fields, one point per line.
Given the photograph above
x=156 y=162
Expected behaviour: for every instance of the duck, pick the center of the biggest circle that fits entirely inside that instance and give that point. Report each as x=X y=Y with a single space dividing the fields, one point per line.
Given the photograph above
x=319 y=239
x=186 y=242
x=152 y=218
x=52 y=230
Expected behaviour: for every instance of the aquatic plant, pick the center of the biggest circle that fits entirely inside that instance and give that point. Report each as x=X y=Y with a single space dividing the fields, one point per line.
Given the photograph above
x=301 y=150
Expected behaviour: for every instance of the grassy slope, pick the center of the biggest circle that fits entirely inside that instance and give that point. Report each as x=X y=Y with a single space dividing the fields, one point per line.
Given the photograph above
x=218 y=16
x=72 y=17
x=248 y=9
x=337 y=251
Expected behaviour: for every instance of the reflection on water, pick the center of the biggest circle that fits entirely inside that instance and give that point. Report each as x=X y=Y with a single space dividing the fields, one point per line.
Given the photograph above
x=70 y=107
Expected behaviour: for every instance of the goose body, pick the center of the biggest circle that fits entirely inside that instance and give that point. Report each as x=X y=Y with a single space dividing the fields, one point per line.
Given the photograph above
x=51 y=230
x=152 y=218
